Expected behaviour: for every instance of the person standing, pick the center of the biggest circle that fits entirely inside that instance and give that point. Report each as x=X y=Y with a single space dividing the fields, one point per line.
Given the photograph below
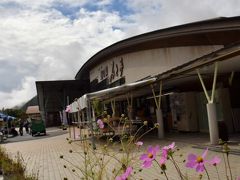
x=26 y=125
x=21 y=127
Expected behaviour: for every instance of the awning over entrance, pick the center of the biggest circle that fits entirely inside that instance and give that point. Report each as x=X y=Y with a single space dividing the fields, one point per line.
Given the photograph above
x=81 y=103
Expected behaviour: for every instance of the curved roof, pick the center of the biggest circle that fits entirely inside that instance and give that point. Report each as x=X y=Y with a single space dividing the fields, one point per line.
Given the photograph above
x=219 y=31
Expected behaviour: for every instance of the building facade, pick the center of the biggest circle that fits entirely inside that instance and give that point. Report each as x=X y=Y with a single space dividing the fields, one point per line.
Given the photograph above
x=197 y=68
x=184 y=59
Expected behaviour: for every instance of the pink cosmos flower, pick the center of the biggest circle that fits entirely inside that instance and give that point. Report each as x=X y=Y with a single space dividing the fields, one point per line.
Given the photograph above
x=170 y=147
x=126 y=174
x=163 y=160
x=100 y=123
x=149 y=157
x=68 y=109
x=139 y=143
x=165 y=151
x=197 y=162
x=215 y=161
x=238 y=178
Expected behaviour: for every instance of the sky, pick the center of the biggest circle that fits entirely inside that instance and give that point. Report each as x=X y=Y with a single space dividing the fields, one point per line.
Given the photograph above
x=51 y=39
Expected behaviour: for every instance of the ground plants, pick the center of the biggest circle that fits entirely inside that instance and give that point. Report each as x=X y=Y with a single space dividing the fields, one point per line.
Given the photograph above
x=13 y=169
x=119 y=157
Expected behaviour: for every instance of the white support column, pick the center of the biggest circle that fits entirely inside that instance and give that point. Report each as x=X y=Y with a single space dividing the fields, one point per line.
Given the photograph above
x=160 y=122
x=213 y=123
x=74 y=120
x=90 y=120
x=211 y=108
x=159 y=112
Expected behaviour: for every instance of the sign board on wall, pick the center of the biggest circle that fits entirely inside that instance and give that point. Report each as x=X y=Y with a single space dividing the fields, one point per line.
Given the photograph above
x=111 y=70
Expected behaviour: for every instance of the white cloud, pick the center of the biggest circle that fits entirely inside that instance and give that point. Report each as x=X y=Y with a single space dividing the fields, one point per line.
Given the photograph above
x=52 y=44
x=156 y=14
x=39 y=40
x=16 y=96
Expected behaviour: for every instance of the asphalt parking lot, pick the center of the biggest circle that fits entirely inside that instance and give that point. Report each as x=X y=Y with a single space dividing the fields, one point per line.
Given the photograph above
x=51 y=132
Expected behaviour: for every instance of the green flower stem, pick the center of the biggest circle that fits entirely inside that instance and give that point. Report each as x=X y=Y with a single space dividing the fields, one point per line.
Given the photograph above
x=225 y=166
x=85 y=162
x=230 y=171
x=137 y=132
x=110 y=156
x=82 y=171
x=217 y=173
x=164 y=172
x=176 y=167
x=145 y=133
x=206 y=172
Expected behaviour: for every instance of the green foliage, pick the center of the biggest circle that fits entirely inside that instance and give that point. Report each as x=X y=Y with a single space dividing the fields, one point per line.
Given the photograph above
x=18 y=113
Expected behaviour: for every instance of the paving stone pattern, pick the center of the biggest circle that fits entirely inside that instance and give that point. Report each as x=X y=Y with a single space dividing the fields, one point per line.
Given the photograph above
x=42 y=157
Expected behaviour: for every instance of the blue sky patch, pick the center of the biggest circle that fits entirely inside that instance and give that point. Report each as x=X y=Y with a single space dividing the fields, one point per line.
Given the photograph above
x=67 y=10
x=116 y=6
x=10 y=5
x=121 y=7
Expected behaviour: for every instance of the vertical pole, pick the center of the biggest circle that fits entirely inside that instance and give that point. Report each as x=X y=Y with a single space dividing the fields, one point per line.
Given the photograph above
x=113 y=107
x=203 y=86
x=231 y=78
x=214 y=81
x=160 y=95
x=159 y=112
x=89 y=119
x=46 y=115
x=83 y=123
x=211 y=108
x=79 y=120
x=74 y=135
x=160 y=122
x=212 y=122
x=154 y=96
x=68 y=119
x=130 y=108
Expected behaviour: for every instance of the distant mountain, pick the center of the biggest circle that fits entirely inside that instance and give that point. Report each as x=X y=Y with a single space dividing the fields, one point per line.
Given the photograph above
x=31 y=102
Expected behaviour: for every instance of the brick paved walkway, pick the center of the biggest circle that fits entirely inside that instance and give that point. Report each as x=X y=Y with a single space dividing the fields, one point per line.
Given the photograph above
x=42 y=156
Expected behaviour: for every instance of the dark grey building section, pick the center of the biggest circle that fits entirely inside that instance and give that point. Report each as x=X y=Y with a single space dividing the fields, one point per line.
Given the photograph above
x=54 y=96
